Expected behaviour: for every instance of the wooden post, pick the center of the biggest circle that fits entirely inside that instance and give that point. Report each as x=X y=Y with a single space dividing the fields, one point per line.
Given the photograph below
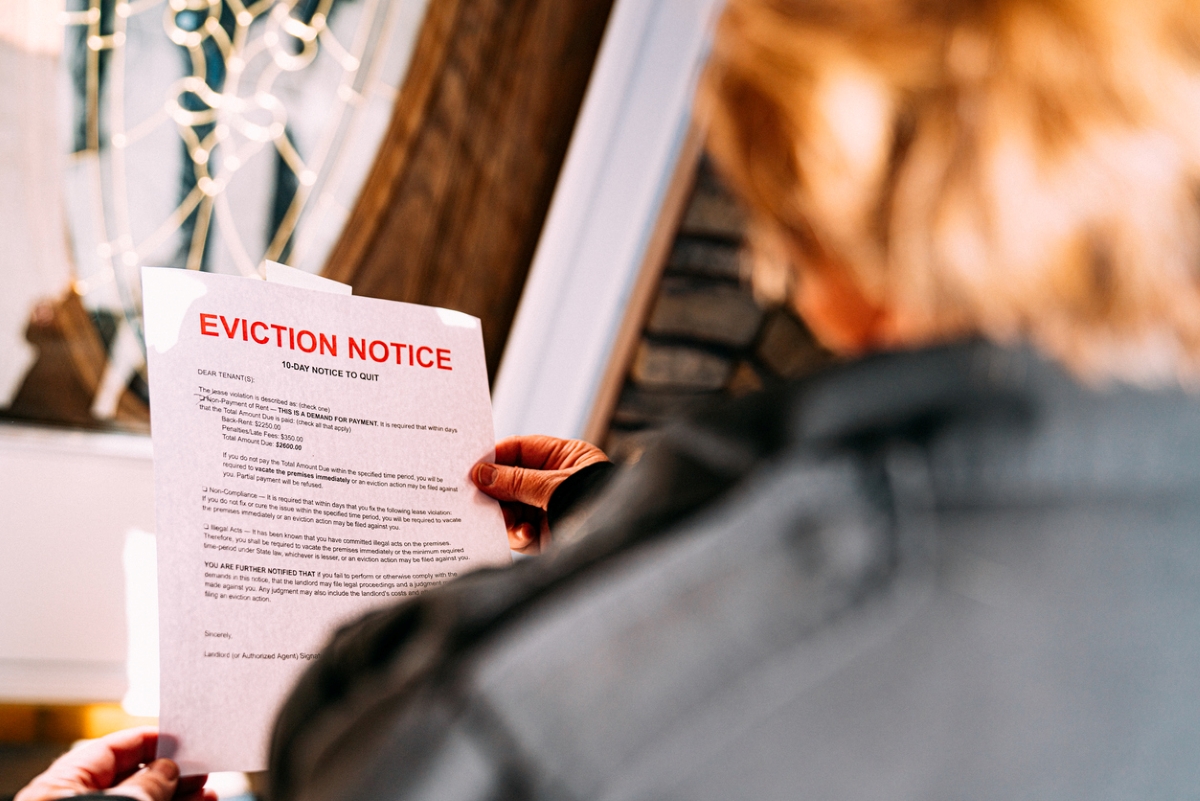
x=452 y=209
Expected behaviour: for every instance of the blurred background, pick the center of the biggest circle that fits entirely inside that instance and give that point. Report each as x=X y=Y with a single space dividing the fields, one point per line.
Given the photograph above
x=531 y=162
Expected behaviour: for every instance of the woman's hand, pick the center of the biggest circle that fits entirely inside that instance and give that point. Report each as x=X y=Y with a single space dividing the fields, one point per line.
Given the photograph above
x=113 y=764
x=526 y=473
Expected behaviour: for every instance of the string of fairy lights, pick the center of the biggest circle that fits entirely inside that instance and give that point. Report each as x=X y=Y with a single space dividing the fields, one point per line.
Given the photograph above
x=220 y=127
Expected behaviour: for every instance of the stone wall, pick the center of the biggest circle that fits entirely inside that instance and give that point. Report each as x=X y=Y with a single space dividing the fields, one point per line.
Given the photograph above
x=705 y=336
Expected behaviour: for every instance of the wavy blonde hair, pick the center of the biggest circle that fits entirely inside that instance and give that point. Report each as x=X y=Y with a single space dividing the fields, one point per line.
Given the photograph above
x=1014 y=168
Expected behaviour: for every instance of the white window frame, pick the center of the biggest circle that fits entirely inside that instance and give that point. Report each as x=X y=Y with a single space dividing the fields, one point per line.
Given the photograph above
x=631 y=131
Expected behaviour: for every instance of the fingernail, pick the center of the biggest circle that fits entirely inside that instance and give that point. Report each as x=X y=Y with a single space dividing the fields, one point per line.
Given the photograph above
x=485 y=475
x=165 y=768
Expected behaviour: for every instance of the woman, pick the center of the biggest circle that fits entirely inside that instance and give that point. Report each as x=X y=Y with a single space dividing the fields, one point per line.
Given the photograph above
x=961 y=564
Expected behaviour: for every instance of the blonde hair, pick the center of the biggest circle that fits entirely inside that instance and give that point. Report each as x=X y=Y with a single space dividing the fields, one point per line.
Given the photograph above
x=1014 y=168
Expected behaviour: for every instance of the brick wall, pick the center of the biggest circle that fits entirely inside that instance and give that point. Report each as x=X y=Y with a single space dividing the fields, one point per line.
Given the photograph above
x=705 y=336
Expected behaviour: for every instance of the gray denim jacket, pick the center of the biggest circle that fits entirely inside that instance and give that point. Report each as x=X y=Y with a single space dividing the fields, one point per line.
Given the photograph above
x=946 y=574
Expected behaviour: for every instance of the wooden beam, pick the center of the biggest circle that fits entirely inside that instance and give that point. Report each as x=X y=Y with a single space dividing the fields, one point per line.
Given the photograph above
x=452 y=209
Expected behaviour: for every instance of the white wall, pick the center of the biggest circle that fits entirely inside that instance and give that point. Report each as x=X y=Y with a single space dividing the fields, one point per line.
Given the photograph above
x=67 y=500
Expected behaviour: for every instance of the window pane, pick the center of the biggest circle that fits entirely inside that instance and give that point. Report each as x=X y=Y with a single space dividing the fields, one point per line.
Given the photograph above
x=199 y=134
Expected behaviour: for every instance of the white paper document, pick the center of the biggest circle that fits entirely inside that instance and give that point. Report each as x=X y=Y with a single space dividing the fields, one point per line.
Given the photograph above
x=311 y=459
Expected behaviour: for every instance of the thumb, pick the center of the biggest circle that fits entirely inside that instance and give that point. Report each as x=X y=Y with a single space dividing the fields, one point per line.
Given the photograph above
x=520 y=484
x=155 y=782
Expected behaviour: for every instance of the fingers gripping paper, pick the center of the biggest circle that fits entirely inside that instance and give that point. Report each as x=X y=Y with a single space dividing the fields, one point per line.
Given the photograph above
x=312 y=454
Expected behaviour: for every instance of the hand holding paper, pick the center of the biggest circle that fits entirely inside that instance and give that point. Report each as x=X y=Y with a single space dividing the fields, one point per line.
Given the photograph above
x=527 y=471
x=114 y=764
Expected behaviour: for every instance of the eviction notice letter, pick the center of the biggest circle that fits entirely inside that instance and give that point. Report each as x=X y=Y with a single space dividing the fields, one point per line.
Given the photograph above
x=311 y=459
